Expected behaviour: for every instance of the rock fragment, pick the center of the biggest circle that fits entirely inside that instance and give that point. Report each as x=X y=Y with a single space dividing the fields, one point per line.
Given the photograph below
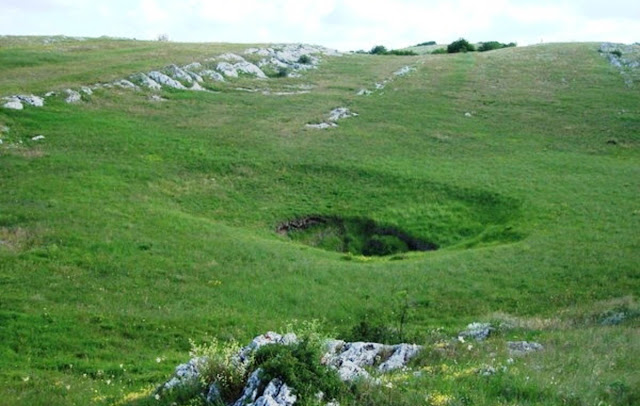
x=523 y=347
x=145 y=81
x=37 y=138
x=477 y=331
x=12 y=103
x=31 y=100
x=72 y=96
x=165 y=80
x=340 y=113
x=404 y=71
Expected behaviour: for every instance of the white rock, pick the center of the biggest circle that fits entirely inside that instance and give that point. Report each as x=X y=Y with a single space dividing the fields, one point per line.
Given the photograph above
x=249 y=68
x=379 y=86
x=250 y=391
x=227 y=69
x=37 y=138
x=404 y=71
x=361 y=353
x=13 y=103
x=49 y=94
x=145 y=81
x=185 y=373
x=340 y=113
x=402 y=354
x=193 y=66
x=156 y=98
x=86 y=90
x=31 y=100
x=211 y=74
x=523 y=347
x=196 y=86
x=276 y=393
x=178 y=74
x=350 y=371
x=467 y=114
x=165 y=80
x=477 y=331
x=195 y=76
x=125 y=84
x=321 y=126
x=363 y=92
x=72 y=96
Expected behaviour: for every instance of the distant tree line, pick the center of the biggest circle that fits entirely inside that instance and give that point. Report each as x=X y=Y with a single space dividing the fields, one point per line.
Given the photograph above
x=462 y=45
x=382 y=50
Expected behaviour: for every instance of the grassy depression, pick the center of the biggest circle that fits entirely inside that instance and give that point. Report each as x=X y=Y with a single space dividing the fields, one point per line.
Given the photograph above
x=135 y=226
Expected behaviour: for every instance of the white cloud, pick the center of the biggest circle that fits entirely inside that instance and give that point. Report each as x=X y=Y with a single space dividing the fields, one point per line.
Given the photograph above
x=344 y=24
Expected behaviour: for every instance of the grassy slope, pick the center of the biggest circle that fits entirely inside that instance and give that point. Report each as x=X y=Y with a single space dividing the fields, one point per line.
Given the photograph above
x=136 y=226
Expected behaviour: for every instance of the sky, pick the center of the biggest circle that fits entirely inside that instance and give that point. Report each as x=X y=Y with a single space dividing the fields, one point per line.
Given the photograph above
x=341 y=24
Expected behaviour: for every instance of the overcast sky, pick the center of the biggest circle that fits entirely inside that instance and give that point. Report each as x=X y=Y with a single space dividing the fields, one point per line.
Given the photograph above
x=342 y=24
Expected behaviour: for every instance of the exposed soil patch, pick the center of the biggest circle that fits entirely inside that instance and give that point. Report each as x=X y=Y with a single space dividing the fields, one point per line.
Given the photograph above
x=359 y=236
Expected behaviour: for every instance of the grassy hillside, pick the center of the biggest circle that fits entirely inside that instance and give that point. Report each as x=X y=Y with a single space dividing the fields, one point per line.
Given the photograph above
x=135 y=226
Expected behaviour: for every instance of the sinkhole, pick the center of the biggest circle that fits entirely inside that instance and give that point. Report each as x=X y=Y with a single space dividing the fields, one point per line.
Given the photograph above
x=358 y=236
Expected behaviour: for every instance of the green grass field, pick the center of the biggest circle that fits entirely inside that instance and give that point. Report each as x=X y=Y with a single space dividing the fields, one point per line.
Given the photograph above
x=136 y=226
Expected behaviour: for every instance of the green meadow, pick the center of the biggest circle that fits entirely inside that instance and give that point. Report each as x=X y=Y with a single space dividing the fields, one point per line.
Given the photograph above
x=136 y=226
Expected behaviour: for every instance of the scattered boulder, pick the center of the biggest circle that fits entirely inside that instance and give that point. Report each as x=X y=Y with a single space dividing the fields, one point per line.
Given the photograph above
x=211 y=74
x=321 y=126
x=37 y=138
x=467 y=114
x=165 y=80
x=249 y=68
x=86 y=90
x=523 y=347
x=340 y=113
x=178 y=74
x=227 y=69
x=72 y=96
x=145 y=81
x=125 y=84
x=404 y=71
x=477 y=331
x=31 y=100
x=363 y=92
x=13 y=103
x=193 y=66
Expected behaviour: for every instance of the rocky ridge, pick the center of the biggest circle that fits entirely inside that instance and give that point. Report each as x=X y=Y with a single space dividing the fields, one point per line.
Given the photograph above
x=626 y=58
x=281 y=60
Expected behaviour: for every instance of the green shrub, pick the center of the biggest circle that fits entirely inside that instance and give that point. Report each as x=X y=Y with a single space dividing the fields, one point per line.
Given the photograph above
x=283 y=72
x=222 y=366
x=439 y=51
x=401 y=52
x=617 y=53
x=298 y=365
x=382 y=50
x=378 y=50
x=492 y=45
x=304 y=59
x=426 y=43
x=461 y=45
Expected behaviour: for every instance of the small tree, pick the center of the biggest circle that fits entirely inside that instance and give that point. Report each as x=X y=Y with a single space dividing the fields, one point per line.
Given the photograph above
x=461 y=45
x=163 y=38
x=378 y=50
